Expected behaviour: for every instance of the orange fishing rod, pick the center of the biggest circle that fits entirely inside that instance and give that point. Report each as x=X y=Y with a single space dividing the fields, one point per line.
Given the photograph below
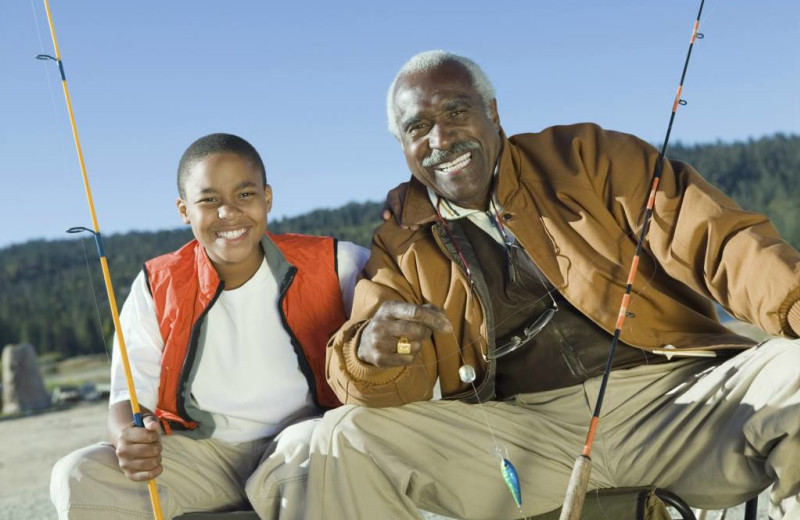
x=579 y=480
x=112 y=302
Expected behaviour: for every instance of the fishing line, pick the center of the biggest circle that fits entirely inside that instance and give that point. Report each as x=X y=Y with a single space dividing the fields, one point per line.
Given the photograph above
x=49 y=79
x=579 y=480
x=53 y=105
x=459 y=353
x=138 y=420
x=61 y=138
x=94 y=299
x=509 y=473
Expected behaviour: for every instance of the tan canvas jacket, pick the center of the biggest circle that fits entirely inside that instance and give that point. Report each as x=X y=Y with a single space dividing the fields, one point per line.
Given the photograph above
x=573 y=197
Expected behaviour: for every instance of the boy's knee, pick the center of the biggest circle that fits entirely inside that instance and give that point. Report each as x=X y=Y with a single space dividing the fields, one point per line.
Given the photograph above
x=277 y=488
x=77 y=478
x=335 y=427
x=292 y=445
x=285 y=460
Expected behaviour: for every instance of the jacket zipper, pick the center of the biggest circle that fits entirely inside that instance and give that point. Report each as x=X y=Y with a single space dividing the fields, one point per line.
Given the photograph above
x=479 y=390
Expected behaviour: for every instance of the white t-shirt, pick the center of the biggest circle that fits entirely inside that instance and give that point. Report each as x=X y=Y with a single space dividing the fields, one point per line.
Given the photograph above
x=247 y=377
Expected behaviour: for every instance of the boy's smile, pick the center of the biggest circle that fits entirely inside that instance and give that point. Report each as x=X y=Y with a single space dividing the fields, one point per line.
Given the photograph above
x=226 y=203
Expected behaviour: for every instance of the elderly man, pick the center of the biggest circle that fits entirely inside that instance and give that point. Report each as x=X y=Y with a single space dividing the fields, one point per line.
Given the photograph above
x=499 y=283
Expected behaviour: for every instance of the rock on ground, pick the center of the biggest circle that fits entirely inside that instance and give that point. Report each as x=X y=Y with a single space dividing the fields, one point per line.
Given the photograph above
x=23 y=389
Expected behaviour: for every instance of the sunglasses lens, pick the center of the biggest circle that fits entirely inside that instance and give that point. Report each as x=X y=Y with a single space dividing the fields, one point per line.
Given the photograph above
x=543 y=320
x=516 y=342
x=511 y=346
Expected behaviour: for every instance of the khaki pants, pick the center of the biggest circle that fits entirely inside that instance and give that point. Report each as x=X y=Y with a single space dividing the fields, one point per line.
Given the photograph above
x=716 y=434
x=199 y=475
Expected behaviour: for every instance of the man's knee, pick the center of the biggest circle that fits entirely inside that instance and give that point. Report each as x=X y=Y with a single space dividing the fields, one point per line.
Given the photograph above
x=773 y=430
x=780 y=367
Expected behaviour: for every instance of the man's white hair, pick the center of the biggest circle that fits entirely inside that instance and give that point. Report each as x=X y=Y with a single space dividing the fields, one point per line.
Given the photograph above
x=429 y=60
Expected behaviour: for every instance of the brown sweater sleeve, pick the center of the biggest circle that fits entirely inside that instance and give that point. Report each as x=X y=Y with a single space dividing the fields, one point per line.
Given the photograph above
x=357 y=382
x=793 y=318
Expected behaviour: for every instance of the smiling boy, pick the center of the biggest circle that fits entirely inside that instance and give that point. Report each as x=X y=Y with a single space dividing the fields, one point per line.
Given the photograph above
x=226 y=338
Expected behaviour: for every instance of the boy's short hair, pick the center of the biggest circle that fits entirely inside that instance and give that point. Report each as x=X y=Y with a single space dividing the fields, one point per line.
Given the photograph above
x=217 y=143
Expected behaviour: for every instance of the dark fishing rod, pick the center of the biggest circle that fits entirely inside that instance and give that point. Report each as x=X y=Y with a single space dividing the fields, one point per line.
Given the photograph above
x=579 y=480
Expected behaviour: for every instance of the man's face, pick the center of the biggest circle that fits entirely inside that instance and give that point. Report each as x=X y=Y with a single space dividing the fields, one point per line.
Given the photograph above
x=226 y=203
x=450 y=142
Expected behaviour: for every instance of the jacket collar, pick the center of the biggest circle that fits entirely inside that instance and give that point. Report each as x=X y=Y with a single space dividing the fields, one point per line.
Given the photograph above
x=418 y=210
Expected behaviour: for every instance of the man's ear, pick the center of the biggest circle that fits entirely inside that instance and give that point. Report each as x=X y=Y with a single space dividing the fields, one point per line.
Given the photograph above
x=495 y=116
x=181 y=205
x=268 y=197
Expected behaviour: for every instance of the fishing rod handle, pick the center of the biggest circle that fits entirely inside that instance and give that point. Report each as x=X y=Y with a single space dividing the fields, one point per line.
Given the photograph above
x=576 y=490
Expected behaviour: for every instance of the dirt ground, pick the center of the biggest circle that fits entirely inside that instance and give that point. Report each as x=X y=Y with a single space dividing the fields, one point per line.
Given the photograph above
x=31 y=446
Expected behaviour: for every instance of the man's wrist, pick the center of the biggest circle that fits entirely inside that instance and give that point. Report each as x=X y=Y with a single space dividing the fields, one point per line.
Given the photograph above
x=793 y=317
x=359 y=369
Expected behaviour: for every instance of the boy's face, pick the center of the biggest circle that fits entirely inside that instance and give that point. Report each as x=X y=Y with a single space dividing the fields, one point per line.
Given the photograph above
x=226 y=203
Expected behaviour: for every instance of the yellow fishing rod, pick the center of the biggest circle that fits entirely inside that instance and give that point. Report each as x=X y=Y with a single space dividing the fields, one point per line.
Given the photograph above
x=112 y=301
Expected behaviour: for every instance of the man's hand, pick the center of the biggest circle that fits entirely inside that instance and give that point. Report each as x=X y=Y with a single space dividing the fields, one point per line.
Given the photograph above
x=395 y=320
x=139 y=450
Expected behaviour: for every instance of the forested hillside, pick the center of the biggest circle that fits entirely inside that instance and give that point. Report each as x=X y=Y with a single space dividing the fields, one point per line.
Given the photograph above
x=46 y=287
x=761 y=175
x=48 y=290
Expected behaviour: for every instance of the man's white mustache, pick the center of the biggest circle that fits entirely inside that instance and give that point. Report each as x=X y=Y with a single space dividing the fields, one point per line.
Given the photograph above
x=440 y=156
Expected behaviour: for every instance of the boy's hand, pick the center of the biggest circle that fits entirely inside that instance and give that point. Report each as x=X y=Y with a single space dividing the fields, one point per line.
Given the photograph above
x=396 y=320
x=139 y=450
x=393 y=206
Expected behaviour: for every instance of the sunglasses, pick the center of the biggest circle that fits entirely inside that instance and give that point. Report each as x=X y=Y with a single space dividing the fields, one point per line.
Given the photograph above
x=528 y=333
x=509 y=243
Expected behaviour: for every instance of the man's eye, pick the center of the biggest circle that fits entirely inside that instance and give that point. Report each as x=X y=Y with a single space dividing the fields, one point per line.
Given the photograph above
x=417 y=128
x=456 y=113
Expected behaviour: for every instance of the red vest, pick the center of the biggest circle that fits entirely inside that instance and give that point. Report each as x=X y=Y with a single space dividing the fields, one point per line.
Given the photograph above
x=185 y=285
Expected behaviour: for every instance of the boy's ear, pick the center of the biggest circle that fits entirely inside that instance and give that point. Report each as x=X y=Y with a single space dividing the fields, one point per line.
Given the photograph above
x=181 y=205
x=268 y=197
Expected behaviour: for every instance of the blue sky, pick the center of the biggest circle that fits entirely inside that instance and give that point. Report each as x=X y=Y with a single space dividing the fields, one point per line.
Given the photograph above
x=305 y=82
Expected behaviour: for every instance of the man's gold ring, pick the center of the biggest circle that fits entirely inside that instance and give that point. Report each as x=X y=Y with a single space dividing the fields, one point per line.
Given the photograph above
x=403 y=345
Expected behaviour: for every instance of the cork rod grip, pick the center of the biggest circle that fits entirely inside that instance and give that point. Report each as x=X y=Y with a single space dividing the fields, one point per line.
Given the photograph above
x=576 y=490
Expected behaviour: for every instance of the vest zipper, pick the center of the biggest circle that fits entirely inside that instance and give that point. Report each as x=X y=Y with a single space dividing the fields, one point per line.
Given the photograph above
x=188 y=360
x=298 y=349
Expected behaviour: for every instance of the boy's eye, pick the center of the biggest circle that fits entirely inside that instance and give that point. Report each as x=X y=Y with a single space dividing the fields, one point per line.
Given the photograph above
x=247 y=194
x=206 y=200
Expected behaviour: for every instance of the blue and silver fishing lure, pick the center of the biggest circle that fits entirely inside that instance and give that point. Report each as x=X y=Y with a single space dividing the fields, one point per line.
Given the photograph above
x=509 y=472
x=512 y=480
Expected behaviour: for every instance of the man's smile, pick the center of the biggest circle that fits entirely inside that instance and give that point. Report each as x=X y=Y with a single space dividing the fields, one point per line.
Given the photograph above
x=454 y=166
